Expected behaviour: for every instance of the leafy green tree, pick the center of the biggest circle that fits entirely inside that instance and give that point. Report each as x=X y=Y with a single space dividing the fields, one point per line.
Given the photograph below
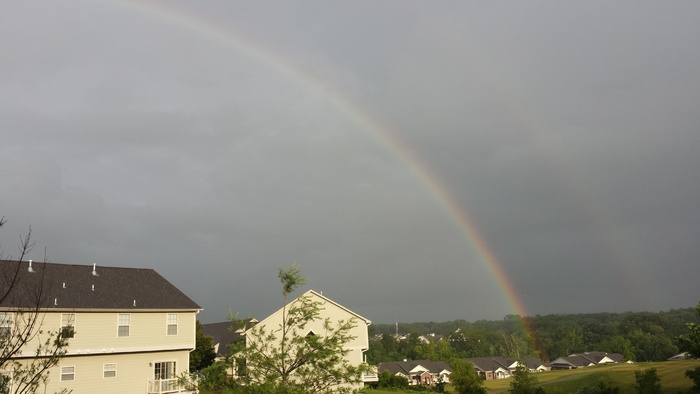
x=213 y=378
x=647 y=382
x=408 y=347
x=640 y=336
x=382 y=349
x=389 y=380
x=439 y=350
x=464 y=378
x=203 y=354
x=652 y=345
x=619 y=344
x=691 y=342
x=524 y=382
x=289 y=359
x=694 y=375
x=515 y=345
x=601 y=388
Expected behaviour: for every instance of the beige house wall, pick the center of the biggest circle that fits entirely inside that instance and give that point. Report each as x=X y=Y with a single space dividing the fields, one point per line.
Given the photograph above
x=334 y=312
x=97 y=332
x=132 y=376
x=96 y=342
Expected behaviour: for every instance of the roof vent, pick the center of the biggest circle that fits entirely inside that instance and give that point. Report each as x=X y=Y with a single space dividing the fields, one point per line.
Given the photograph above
x=94 y=272
x=55 y=301
x=134 y=302
x=93 y=287
x=30 y=269
x=64 y=285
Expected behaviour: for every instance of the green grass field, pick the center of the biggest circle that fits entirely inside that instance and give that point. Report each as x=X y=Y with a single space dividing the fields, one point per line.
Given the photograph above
x=672 y=374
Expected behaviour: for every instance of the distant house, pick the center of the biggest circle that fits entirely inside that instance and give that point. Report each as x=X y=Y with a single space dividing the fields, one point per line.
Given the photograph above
x=587 y=359
x=680 y=356
x=533 y=364
x=503 y=367
x=418 y=372
x=131 y=330
x=431 y=338
x=490 y=368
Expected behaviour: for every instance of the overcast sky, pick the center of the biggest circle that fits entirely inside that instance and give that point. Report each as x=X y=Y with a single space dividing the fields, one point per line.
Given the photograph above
x=420 y=160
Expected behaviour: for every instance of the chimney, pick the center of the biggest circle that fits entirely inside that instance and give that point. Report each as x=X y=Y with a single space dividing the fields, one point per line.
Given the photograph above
x=30 y=269
x=94 y=272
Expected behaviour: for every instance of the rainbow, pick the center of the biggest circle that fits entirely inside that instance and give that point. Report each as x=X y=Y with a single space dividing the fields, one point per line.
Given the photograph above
x=228 y=37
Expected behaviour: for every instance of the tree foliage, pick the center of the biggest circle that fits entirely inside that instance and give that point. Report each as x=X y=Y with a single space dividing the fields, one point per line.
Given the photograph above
x=26 y=334
x=213 y=378
x=524 y=382
x=694 y=375
x=389 y=380
x=288 y=358
x=602 y=387
x=690 y=342
x=638 y=336
x=435 y=350
x=647 y=382
x=203 y=354
x=465 y=379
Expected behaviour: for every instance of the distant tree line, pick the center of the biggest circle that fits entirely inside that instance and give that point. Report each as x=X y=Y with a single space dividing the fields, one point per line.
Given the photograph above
x=639 y=336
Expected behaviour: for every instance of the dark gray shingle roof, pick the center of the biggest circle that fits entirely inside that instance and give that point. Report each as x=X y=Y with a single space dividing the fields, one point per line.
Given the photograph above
x=223 y=333
x=70 y=286
x=486 y=364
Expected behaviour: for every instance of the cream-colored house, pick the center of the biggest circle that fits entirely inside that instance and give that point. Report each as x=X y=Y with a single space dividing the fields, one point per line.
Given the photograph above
x=329 y=309
x=132 y=330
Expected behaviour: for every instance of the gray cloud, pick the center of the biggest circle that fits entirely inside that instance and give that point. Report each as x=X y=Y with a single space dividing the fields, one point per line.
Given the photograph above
x=218 y=142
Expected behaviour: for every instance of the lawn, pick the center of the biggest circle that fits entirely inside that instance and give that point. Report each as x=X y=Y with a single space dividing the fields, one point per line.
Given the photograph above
x=672 y=374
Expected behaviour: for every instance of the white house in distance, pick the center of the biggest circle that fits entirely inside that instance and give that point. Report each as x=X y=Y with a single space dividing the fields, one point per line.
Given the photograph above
x=587 y=359
x=335 y=312
x=419 y=372
x=133 y=330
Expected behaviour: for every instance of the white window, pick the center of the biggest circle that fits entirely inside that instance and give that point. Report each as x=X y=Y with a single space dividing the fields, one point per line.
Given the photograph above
x=67 y=374
x=164 y=370
x=172 y=323
x=109 y=371
x=124 y=323
x=164 y=376
x=5 y=324
x=68 y=325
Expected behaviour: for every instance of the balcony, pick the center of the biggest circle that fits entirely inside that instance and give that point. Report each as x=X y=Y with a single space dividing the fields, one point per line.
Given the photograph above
x=166 y=386
x=370 y=377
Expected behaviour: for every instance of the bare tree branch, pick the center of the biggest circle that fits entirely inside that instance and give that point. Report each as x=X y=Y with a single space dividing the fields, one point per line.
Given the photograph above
x=26 y=349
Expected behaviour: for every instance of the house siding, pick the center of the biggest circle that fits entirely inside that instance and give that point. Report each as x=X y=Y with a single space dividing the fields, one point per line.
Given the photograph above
x=96 y=332
x=96 y=343
x=97 y=298
x=134 y=370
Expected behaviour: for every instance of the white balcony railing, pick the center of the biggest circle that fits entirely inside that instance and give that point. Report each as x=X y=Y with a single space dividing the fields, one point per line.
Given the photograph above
x=370 y=377
x=165 y=386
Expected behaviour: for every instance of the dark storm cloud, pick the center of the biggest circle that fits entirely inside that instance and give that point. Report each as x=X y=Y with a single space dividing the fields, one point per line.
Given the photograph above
x=567 y=132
